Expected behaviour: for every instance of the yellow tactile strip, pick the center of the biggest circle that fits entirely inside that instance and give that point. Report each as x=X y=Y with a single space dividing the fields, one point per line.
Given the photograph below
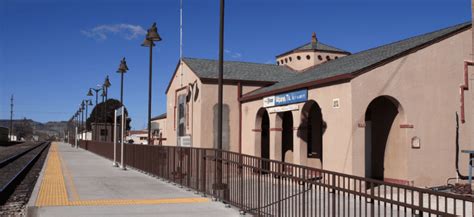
x=53 y=191
x=137 y=202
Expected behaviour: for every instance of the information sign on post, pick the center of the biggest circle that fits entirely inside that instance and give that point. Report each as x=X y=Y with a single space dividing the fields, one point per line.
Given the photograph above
x=120 y=112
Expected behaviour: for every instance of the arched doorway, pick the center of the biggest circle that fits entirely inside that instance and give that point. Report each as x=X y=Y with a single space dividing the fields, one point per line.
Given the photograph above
x=312 y=134
x=263 y=141
x=287 y=137
x=380 y=123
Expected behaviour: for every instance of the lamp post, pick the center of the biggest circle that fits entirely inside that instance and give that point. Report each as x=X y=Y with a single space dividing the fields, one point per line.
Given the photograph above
x=103 y=113
x=106 y=86
x=123 y=68
x=81 y=109
x=87 y=103
x=76 y=121
x=219 y=185
x=151 y=36
x=96 y=90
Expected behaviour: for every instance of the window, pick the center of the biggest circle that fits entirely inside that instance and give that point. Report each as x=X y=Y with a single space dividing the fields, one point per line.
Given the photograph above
x=336 y=57
x=156 y=133
x=320 y=57
x=335 y=103
x=308 y=57
x=328 y=58
x=181 y=115
x=298 y=57
x=291 y=59
x=103 y=132
x=286 y=60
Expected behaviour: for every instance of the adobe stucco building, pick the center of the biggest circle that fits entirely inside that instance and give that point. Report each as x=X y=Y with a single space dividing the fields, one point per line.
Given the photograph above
x=387 y=113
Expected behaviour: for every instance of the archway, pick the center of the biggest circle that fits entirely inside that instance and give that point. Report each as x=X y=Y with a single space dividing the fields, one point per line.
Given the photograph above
x=380 y=123
x=287 y=137
x=263 y=140
x=312 y=134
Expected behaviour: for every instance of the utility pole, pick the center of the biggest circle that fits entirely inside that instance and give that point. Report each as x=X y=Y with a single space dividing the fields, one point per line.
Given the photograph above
x=11 y=118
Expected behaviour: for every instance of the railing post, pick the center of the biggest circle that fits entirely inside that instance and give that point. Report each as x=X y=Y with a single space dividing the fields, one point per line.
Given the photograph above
x=304 y=192
x=188 y=172
x=227 y=189
x=214 y=185
x=203 y=171
x=198 y=173
x=420 y=203
x=180 y=166
x=333 y=185
x=258 y=186
x=173 y=168
x=168 y=163
x=241 y=178
x=279 y=165
x=372 y=195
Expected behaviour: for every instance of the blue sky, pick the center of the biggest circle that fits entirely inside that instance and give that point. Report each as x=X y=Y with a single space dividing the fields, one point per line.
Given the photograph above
x=52 y=51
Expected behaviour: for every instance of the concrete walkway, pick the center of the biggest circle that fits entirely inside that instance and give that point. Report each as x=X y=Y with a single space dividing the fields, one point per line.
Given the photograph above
x=75 y=182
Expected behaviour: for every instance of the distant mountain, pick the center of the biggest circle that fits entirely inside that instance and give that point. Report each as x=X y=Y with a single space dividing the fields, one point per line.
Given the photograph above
x=43 y=130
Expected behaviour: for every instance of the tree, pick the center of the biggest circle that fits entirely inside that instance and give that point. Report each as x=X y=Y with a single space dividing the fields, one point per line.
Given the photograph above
x=23 y=129
x=98 y=112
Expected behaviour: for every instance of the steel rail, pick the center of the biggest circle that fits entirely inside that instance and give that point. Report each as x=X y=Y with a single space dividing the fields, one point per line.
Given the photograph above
x=4 y=189
x=5 y=162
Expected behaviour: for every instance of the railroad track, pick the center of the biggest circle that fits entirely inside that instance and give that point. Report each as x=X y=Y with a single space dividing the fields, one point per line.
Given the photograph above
x=14 y=170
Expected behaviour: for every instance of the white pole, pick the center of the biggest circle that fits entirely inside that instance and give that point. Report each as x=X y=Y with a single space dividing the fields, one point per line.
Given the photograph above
x=122 y=165
x=75 y=139
x=115 y=139
x=181 y=41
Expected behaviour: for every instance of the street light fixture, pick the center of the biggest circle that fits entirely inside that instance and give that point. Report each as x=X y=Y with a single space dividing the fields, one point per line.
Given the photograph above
x=151 y=36
x=123 y=68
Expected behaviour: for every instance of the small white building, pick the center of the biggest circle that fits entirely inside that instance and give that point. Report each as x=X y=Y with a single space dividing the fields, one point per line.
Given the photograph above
x=137 y=137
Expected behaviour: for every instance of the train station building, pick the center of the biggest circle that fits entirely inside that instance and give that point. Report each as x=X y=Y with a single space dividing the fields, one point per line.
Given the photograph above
x=386 y=113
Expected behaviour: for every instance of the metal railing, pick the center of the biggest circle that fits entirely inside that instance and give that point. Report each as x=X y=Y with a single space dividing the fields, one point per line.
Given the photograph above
x=265 y=187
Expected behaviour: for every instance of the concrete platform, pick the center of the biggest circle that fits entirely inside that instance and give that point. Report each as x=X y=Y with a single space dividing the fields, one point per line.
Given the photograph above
x=75 y=182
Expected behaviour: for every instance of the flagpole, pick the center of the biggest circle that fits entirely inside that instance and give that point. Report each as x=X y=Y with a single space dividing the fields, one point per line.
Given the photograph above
x=181 y=40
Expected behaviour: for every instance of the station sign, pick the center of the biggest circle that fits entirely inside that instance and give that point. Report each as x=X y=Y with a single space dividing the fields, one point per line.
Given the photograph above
x=286 y=98
x=283 y=108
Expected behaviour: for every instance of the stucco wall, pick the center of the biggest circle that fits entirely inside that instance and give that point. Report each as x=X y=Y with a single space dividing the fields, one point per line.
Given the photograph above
x=194 y=106
x=336 y=139
x=200 y=110
x=426 y=84
x=209 y=100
